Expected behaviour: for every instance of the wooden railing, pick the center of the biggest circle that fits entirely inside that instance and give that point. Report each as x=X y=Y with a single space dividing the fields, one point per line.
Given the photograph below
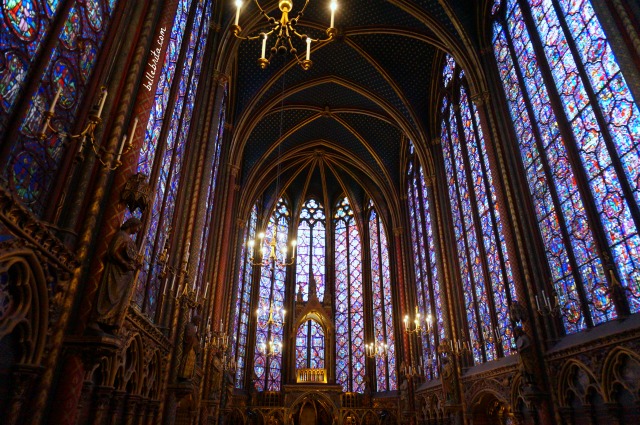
x=311 y=376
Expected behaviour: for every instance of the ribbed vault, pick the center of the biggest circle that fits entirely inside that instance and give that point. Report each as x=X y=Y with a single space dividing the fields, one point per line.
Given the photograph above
x=342 y=126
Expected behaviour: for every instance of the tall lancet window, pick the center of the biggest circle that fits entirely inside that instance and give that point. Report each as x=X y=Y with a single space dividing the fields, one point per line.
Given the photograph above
x=243 y=300
x=483 y=260
x=162 y=159
x=578 y=132
x=310 y=256
x=386 y=379
x=349 y=314
x=428 y=289
x=269 y=331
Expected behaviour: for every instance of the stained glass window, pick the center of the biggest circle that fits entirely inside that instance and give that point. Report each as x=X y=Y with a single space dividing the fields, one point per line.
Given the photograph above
x=580 y=163
x=211 y=191
x=243 y=300
x=425 y=263
x=177 y=130
x=33 y=165
x=349 y=314
x=310 y=256
x=268 y=364
x=382 y=303
x=483 y=260
x=24 y=25
x=310 y=346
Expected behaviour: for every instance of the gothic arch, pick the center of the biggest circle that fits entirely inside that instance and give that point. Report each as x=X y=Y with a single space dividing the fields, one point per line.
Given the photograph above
x=489 y=407
x=621 y=372
x=321 y=398
x=24 y=305
x=576 y=381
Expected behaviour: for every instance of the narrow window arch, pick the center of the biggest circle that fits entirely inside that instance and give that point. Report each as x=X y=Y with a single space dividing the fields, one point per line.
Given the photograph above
x=483 y=260
x=311 y=248
x=386 y=379
x=428 y=288
x=271 y=293
x=243 y=300
x=310 y=344
x=349 y=314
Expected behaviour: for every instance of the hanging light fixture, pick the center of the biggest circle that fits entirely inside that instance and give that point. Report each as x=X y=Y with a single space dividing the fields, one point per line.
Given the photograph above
x=268 y=254
x=284 y=30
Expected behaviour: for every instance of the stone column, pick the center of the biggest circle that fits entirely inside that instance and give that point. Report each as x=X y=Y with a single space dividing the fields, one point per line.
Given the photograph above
x=101 y=404
x=22 y=380
x=130 y=409
x=117 y=407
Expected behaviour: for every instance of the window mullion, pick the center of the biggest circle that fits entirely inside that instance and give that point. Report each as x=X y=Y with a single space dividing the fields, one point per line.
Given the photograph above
x=467 y=254
x=542 y=153
x=602 y=123
x=488 y=289
x=566 y=132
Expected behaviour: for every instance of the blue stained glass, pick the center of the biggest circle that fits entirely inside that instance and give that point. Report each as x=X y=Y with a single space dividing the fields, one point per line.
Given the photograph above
x=211 y=192
x=73 y=56
x=591 y=50
x=495 y=251
x=148 y=284
x=382 y=306
x=349 y=315
x=427 y=285
x=23 y=26
x=449 y=67
x=152 y=134
x=271 y=302
x=243 y=300
x=612 y=205
x=310 y=255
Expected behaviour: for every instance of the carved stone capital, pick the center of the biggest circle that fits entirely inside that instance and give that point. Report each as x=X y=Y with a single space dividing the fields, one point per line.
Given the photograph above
x=92 y=348
x=481 y=98
x=137 y=192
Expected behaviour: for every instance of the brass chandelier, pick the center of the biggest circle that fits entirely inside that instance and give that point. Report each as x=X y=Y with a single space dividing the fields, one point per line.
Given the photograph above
x=284 y=30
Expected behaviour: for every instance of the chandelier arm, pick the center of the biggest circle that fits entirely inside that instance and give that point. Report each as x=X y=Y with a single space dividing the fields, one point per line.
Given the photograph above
x=302 y=10
x=258 y=36
x=261 y=10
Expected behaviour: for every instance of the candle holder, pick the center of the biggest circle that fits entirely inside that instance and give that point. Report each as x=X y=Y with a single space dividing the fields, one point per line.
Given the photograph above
x=284 y=30
x=87 y=135
x=549 y=306
x=263 y=259
x=376 y=350
x=415 y=326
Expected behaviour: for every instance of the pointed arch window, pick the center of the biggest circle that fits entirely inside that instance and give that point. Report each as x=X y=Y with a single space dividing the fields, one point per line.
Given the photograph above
x=386 y=379
x=483 y=260
x=165 y=170
x=349 y=314
x=310 y=342
x=425 y=262
x=268 y=368
x=311 y=248
x=578 y=132
x=243 y=300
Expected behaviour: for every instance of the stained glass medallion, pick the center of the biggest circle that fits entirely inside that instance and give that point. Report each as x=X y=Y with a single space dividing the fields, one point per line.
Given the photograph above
x=21 y=17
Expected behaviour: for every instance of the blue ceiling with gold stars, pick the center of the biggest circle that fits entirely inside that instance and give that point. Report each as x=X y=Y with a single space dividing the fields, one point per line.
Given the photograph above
x=366 y=93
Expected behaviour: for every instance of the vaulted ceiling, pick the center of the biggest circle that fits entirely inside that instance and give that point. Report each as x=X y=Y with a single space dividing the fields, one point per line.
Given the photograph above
x=342 y=126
